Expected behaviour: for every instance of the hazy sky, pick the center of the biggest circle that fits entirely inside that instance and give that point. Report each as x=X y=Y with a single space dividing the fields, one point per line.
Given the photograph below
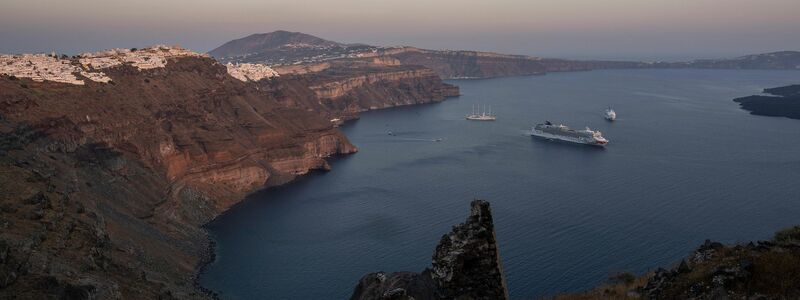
x=636 y=29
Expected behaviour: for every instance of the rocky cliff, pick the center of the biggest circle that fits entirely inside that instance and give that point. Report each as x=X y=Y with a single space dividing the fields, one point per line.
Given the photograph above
x=475 y=64
x=761 y=270
x=104 y=187
x=343 y=88
x=465 y=265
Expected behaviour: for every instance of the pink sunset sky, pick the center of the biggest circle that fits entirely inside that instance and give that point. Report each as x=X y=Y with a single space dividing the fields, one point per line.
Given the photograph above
x=607 y=29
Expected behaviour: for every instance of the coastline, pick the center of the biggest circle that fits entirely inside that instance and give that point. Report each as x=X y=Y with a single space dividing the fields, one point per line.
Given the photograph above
x=448 y=104
x=209 y=255
x=309 y=158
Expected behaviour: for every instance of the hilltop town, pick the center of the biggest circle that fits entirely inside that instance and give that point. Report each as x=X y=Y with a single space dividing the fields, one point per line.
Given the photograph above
x=51 y=67
x=253 y=72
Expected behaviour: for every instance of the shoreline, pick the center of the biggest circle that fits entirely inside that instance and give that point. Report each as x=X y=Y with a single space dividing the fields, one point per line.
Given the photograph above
x=209 y=254
x=671 y=265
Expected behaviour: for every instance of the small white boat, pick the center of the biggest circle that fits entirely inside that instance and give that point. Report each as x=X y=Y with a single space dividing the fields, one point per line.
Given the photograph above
x=611 y=115
x=484 y=116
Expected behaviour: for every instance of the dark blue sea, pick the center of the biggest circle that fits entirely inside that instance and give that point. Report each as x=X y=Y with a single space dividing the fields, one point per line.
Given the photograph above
x=684 y=164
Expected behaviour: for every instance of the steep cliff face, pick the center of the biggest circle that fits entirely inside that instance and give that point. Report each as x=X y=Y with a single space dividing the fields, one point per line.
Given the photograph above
x=342 y=89
x=105 y=186
x=360 y=89
x=465 y=265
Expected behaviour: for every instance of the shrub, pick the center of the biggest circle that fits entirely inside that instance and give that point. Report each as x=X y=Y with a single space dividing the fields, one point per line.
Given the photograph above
x=788 y=235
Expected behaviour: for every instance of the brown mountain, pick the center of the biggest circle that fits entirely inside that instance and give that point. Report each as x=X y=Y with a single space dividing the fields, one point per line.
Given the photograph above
x=280 y=47
x=260 y=42
x=104 y=187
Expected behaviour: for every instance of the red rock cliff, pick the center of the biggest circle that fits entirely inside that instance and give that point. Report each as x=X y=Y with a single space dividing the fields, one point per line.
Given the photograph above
x=104 y=187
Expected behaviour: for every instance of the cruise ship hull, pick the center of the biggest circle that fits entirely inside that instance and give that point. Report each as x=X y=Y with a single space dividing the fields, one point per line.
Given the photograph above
x=576 y=140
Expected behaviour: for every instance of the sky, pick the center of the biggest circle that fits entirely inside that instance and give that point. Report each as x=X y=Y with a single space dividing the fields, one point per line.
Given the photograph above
x=582 y=29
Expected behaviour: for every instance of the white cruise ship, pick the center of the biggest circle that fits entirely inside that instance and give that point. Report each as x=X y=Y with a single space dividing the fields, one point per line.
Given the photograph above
x=563 y=133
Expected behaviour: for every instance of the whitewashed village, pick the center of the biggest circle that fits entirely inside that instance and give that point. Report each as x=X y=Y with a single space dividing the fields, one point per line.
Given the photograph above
x=51 y=67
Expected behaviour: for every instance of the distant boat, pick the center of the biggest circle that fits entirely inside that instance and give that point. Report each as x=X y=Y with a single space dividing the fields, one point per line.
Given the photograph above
x=484 y=116
x=611 y=115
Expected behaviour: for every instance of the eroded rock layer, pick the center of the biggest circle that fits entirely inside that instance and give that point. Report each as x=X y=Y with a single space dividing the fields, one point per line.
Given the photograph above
x=104 y=187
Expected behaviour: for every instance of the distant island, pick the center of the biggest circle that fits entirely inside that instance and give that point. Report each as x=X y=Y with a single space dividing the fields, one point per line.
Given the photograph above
x=296 y=52
x=784 y=102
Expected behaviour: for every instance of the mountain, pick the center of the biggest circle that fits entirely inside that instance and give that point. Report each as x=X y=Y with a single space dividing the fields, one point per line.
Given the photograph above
x=110 y=167
x=281 y=46
x=462 y=63
x=260 y=42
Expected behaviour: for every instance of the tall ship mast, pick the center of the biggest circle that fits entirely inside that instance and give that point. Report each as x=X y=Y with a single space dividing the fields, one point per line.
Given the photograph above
x=483 y=116
x=560 y=132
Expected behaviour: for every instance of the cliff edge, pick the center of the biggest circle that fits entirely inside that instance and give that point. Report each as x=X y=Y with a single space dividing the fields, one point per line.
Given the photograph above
x=110 y=163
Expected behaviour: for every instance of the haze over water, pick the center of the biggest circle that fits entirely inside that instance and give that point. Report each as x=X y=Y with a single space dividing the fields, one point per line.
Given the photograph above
x=685 y=164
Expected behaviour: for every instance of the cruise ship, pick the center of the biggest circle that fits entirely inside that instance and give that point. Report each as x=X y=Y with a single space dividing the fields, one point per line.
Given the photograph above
x=560 y=132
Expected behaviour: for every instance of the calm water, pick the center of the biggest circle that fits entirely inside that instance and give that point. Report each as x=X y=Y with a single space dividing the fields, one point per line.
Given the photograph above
x=684 y=164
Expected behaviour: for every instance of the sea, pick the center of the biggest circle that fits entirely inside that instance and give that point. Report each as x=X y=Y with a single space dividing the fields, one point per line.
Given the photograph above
x=684 y=164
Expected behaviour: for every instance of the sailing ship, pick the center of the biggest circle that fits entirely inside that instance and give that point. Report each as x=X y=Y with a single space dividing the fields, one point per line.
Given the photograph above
x=483 y=116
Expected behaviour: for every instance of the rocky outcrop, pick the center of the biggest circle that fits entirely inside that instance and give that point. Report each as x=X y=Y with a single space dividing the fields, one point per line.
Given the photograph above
x=465 y=265
x=104 y=187
x=784 y=102
x=360 y=90
x=762 y=270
